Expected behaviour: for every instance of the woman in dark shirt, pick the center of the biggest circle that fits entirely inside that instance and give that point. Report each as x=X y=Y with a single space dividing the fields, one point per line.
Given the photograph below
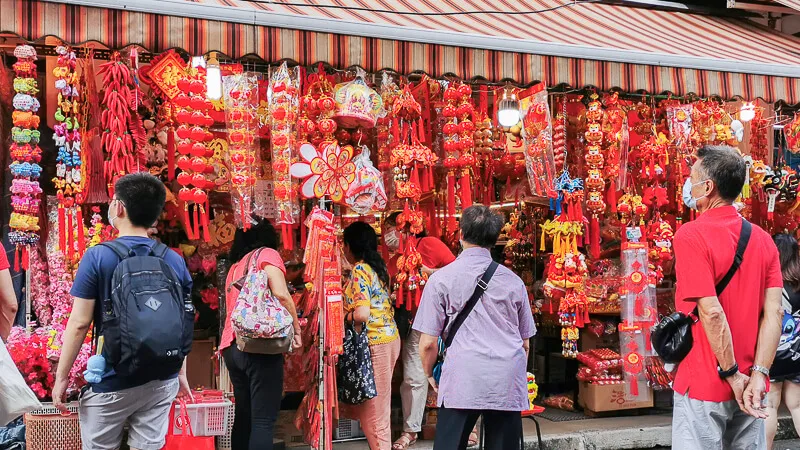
x=786 y=368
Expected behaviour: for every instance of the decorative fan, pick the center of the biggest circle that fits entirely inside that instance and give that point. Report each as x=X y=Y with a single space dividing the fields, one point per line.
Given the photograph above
x=329 y=172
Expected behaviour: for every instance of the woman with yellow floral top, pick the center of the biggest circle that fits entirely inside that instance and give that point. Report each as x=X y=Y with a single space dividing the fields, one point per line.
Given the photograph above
x=367 y=301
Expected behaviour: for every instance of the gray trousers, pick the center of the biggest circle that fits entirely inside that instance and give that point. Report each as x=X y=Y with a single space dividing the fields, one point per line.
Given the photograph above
x=699 y=425
x=414 y=390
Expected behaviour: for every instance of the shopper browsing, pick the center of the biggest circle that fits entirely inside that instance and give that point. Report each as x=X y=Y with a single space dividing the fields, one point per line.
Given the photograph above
x=414 y=390
x=134 y=281
x=257 y=378
x=484 y=373
x=721 y=383
x=785 y=372
x=367 y=302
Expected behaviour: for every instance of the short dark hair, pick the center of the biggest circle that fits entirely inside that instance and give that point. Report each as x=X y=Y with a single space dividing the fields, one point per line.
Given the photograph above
x=143 y=196
x=260 y=235
x=480 y=226
x=725 y=167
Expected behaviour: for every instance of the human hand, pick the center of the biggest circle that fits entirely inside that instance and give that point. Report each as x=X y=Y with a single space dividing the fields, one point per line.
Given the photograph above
x=754 y=395
x=60 y=396
x=433 y=384
x=184 y=390
x=738 y=383
x=427 y=270
x=297 y=341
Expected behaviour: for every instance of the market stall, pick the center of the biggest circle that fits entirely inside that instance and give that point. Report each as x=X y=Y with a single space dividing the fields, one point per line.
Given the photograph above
x=582 y=141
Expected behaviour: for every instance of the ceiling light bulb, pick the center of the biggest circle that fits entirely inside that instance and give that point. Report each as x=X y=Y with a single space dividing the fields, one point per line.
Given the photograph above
x=508 y=113
x=213 y=78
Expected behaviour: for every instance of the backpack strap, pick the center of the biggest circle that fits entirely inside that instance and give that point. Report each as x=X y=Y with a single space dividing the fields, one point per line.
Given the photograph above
x=159 y=250
x=250 y=264
x=120 y=249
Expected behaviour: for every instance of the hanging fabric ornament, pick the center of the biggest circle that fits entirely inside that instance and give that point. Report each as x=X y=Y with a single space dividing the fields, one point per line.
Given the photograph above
x=122 y=127
x=595 y=161
x=357 y=105
x=283 y=106
x=537 y=135
x=25 y=157
x=241 y=103
x=453 y=147
x=325 y=174
x=67 y=137
x=193 y=135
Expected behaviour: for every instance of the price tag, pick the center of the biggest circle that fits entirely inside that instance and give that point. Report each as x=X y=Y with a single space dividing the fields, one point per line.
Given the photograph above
x=771 y=205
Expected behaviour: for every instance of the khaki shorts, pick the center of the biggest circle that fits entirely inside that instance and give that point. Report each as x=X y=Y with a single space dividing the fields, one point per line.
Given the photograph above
x=699 y=425
x=144 y=408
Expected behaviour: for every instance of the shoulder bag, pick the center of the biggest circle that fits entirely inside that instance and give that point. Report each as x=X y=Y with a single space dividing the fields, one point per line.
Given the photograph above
x=259 y=320
x=672 y=337
x=462 y=315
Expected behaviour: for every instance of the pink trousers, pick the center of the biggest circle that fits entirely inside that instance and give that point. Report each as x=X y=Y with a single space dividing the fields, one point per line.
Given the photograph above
x=375 y=414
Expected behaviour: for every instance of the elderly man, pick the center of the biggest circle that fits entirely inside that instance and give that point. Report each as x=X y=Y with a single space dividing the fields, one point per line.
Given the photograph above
x=720 y=385
x=483 y=308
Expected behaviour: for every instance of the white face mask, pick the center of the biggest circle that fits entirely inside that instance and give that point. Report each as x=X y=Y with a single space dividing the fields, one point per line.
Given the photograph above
x=688 y=200
x=110 y=218
x=392 y=240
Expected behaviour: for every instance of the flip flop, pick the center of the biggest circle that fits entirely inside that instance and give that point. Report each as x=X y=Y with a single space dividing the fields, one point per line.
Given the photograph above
x=404 y=441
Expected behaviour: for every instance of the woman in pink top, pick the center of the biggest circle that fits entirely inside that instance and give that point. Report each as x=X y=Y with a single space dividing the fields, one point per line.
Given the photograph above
x=257 y=379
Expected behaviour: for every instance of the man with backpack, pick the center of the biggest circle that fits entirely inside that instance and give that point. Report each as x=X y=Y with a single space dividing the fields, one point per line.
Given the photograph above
x=137 y=292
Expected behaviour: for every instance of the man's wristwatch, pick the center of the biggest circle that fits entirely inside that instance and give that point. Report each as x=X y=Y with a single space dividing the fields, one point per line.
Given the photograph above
x=728 y=373
x=761 y=369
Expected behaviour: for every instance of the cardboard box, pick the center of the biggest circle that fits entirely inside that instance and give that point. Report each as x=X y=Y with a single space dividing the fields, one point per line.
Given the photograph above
x=612 y=397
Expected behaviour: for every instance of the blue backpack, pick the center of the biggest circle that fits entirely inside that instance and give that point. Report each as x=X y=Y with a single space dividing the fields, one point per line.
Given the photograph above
x=147 y=322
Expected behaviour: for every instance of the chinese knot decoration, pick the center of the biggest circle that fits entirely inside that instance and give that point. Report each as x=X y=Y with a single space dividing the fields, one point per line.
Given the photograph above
x=192 y=132
x=25 y=156
x=283 y=114
x=67 y=137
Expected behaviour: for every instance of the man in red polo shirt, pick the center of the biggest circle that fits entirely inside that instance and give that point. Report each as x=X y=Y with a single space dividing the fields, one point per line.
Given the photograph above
x=8 y=298
x=720 y=385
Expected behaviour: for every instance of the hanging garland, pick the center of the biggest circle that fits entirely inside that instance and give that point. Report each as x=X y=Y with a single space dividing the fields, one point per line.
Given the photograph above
x=595 y=183
x=25 y=156
x=69 y=165
x=123 y=135
x=284 y=91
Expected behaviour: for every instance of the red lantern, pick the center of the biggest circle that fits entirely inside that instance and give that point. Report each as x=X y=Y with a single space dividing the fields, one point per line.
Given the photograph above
x=185 y=195
x=198 y=134
x=199 y=180
x=198 y=149
x=185 y=147
x=197 y=102
x=184 y=163
x=181 y=99
x=183 y=116
x=197 y=86
x=184 y=178
x=199 y=196
x=184 y=84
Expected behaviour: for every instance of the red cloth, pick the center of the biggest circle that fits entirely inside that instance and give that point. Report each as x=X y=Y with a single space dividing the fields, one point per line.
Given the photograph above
x=704 y=251
x=435 y=255
x=4 y=259
x=268 y=257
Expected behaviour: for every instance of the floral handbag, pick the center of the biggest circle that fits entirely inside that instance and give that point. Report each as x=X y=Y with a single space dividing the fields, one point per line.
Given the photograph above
x=259 y=320
x=355 y=377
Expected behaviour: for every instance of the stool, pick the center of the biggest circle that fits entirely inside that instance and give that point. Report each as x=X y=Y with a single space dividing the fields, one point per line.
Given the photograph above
x=530 y=414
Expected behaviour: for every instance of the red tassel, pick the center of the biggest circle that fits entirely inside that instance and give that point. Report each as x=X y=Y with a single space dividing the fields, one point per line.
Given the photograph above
x=81 y=233
x=303 y=228
x=171 y=153
x=17 y=251
x=26 y=259
x=417 y=297
x=423 y=179
x=187 y=220
x=612 y=196
x=594 y=232
x=466 y=190
x=206 y=223
x=197 y=227
x=71 y=238
x=62 y=230
x=421 y=130
x=451 y=202
x=635 y=387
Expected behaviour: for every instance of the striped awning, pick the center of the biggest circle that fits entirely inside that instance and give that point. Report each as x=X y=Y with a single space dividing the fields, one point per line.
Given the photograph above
x=794 y=4
x=607 y=46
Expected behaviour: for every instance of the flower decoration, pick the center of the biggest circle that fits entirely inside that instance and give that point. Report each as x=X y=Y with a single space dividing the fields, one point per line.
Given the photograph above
x=328 y=173
x=210 y=296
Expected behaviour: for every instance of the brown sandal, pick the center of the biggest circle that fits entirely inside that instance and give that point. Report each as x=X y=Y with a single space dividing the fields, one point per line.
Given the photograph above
x=404 y=441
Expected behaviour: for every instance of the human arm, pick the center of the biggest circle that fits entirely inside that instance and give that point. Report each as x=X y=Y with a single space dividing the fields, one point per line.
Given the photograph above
x=769 y=333
x=527 y=326
x=8 y=304
x=80 y=319
x=428 y=351
x=278 y=287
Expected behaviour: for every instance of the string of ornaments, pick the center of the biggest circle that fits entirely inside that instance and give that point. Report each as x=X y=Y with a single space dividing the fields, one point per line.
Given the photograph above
x=25 y=156
x=69 y=167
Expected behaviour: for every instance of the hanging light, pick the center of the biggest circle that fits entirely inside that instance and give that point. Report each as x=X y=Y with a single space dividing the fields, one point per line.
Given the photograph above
x=213 y=78
x=198 y=61
x=508 y=113
x=748 y=112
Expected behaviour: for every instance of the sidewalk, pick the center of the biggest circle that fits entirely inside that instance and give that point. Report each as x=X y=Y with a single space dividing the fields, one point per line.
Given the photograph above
x=613 y=433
